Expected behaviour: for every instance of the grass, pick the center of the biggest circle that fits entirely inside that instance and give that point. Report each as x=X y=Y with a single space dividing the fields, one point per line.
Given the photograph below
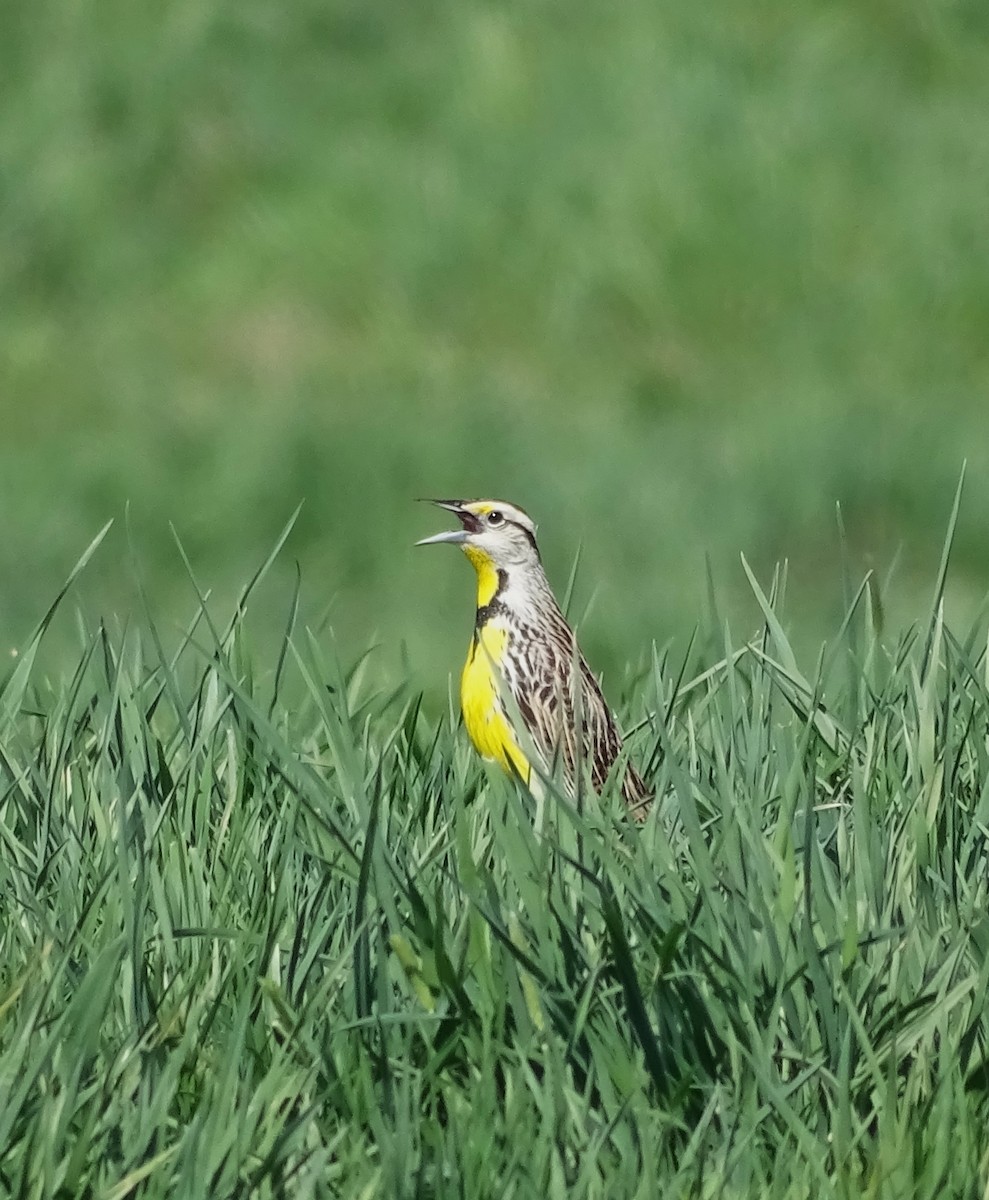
x=678 y=278
x=269 y=929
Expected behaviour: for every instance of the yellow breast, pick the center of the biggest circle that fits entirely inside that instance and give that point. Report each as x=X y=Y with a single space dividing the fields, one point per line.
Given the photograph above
x=480 y=691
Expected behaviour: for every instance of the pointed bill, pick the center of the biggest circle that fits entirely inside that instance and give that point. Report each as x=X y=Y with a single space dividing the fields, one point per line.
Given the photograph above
x=456 y=536
x=450 y=505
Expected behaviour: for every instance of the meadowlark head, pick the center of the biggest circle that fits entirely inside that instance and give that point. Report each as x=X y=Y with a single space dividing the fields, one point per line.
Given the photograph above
x=493 y=533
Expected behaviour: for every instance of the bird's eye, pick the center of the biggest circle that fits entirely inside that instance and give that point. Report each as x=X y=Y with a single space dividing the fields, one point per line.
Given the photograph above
x=495 y=518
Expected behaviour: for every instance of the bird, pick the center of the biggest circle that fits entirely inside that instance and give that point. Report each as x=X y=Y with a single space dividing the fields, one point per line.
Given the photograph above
x=530 y=702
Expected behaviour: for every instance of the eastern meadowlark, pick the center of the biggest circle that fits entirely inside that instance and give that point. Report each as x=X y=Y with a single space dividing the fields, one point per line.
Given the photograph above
x=529 y=700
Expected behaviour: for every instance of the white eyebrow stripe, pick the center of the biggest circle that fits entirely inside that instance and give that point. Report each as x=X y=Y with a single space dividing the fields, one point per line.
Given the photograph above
x=511 y=512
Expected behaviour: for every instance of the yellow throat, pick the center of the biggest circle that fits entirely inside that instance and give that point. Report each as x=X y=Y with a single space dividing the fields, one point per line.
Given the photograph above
x=487 y=575
x=482 y=683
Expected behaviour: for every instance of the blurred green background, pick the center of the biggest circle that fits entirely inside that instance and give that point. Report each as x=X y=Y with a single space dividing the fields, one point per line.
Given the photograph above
x=678 y=278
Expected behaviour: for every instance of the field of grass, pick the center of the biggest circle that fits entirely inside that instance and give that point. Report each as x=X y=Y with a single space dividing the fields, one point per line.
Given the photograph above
x=270 y=930
x=680 y=279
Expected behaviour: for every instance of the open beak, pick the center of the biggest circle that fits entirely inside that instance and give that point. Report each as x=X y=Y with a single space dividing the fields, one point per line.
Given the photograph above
x=456 y=536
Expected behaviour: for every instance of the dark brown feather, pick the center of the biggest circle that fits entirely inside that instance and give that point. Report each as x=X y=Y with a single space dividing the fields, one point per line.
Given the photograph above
x=563 y=707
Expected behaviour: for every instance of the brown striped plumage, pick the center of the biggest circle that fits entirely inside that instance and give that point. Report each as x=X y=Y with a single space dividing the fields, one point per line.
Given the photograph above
x=524 y=660
x=556 y=693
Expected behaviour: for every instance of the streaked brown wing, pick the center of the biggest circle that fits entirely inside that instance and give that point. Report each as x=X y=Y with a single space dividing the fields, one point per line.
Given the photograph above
x=534 y=671
x=542 y=672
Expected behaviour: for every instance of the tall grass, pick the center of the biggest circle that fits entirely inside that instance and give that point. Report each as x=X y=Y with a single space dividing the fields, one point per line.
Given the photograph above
x=267 y=930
